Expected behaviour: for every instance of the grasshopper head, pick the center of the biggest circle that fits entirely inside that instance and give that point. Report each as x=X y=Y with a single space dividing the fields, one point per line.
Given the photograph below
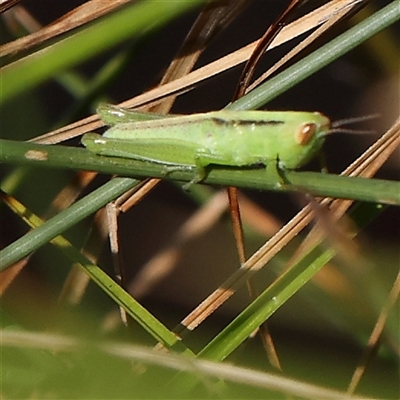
x=307 y=137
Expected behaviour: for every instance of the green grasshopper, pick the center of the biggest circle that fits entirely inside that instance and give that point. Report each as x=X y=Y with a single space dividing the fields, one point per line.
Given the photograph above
x=227 y=138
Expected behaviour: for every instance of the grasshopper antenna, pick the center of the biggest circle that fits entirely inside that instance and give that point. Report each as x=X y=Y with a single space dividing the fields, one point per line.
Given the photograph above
x=338 y=126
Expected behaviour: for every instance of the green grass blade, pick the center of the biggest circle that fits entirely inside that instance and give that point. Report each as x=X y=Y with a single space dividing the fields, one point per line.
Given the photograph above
x=290 y=282
x=319 y=184
x=65 y=219
x=154 y=327
x=133 y=21
x=319 y=58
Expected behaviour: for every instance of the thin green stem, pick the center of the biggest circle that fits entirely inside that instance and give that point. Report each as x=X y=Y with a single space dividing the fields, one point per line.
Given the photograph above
x=136 y=20
x=64 y=220
x=318 y=184
x=319 y=58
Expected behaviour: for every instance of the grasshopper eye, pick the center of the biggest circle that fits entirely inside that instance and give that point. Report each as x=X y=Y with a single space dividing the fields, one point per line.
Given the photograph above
x=305 y=133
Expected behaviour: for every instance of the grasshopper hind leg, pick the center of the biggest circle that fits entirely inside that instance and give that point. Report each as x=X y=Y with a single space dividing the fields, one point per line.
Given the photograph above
x=202 y=159
x=199 y=173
